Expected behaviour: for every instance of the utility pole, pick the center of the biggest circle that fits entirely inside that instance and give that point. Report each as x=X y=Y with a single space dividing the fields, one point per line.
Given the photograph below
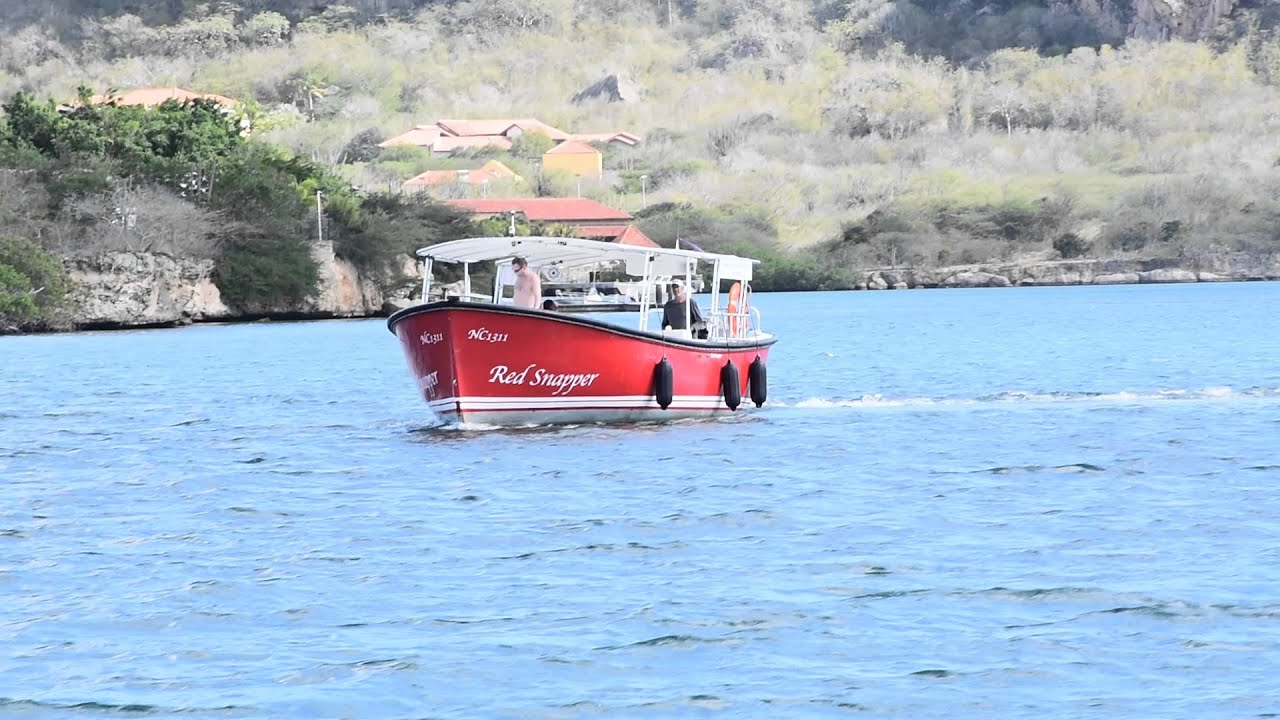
x=319 y=219
x=644 y=182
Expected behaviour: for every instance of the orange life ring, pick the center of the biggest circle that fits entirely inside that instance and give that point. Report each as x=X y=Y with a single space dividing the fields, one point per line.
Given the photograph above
x=735 y=297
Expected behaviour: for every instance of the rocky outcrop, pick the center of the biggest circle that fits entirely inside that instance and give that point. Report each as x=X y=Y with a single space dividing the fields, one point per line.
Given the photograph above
x=1167 y=276
x=974 y=278
x=121 y=290
x=341 y=292
x=141 y=289
x=613 y=88
x=1185 y=19
x=1153 y=19
x=1221 y=267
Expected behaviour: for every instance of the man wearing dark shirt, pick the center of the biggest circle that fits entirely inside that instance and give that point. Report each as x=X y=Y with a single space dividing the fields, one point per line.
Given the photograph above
x=673 y=309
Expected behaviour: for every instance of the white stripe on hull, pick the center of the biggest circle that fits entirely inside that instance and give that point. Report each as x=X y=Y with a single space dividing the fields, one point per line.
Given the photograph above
x=612 y=408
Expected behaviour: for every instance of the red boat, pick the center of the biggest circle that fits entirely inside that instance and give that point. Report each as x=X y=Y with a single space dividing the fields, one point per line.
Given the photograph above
x=480 y=359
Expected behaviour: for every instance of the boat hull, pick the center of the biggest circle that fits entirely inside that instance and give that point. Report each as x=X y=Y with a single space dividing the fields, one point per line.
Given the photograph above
x=498 y=365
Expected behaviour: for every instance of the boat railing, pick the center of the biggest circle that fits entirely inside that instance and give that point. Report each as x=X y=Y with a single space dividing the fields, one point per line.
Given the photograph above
x=736 y=325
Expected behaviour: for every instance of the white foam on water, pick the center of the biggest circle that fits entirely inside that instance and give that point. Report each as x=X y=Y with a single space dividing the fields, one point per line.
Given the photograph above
x=876 y=400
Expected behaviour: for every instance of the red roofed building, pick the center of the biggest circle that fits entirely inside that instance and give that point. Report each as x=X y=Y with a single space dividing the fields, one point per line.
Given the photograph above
x=447 y=145
x=491 y=172
x=507 y=127
x=418 y=135
x=621 y=234
x=624 y=138
x=589 y=219
x=569 y=211
x=448 y=136
x=151 y=97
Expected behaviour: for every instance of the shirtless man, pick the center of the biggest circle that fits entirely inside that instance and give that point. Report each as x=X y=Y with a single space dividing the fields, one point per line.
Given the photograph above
x=528 y=286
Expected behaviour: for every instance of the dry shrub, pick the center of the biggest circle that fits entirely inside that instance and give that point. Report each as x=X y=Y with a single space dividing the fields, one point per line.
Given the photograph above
x=142 y=219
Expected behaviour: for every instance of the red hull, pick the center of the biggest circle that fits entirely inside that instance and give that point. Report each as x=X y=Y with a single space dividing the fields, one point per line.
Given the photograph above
x=498 y=365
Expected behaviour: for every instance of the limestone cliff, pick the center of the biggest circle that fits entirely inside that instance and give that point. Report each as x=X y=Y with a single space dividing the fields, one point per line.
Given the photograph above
x=1205 y=268
x=1154 y=19
x=145 y=290
x=140 y=290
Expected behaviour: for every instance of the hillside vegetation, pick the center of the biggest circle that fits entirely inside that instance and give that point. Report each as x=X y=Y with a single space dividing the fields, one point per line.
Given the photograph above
x=825 y=136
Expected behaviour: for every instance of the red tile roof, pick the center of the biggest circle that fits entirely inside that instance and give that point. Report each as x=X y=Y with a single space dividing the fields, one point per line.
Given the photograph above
x=448 y=143
x=601 y=231
x=499 y=126
x=566 y=210
x=150 y=97
x=573 y=147
x=621 y=234
x=421 y=135
x=633 y=236
x=625 y=138
x=492 y=171
x=445 y=136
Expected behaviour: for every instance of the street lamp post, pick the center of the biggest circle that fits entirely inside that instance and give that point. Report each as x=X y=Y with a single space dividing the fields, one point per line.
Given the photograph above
x=644 y=181
x=319 y=219
x=579 y=184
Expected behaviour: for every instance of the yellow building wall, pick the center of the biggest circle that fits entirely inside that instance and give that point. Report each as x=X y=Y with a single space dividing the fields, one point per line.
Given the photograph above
x=589 y=166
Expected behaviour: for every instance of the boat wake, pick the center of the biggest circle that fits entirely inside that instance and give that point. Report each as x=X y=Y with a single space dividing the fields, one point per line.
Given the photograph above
x=1011 y=397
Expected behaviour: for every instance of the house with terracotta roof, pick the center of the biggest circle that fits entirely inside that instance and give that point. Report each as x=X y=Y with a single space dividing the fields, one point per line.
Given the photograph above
x=419 y=136
x=509 y=128
x=588 y=218
x=151 y=97
x=491 y=173
x=622 y=138
x=574 y=157
x=621 y=234
x=448 y=136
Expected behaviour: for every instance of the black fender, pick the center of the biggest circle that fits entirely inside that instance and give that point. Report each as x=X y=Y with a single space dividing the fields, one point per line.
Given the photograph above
x=758 y=381
x=730 y=385
x=663 y=383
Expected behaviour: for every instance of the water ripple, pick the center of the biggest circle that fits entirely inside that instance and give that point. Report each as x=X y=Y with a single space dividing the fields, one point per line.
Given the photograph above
x=1049 y=503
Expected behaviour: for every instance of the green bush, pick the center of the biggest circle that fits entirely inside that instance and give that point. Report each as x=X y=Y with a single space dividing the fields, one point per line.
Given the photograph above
x=1070 y=245
x=32 y=283
x=394 y=225
x=531 y=145
x=798 y=270
x=17 y=304
x=266 y=273
x=708 y=228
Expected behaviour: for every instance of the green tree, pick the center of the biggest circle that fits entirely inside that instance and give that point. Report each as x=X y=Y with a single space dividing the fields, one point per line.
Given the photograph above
x=393 y=225
x=32 y=283
x=33 y=124
x=265 y=29
x=531 y=145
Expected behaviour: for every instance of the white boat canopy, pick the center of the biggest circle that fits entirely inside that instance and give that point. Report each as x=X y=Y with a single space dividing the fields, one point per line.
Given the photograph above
x=541 y=251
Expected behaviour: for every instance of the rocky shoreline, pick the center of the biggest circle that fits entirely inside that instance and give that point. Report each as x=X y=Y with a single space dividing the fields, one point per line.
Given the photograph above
x=141 y=290
x=1218 y=267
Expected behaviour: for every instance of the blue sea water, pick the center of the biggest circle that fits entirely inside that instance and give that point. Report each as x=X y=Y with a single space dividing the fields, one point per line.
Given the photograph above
x=1033 y=502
